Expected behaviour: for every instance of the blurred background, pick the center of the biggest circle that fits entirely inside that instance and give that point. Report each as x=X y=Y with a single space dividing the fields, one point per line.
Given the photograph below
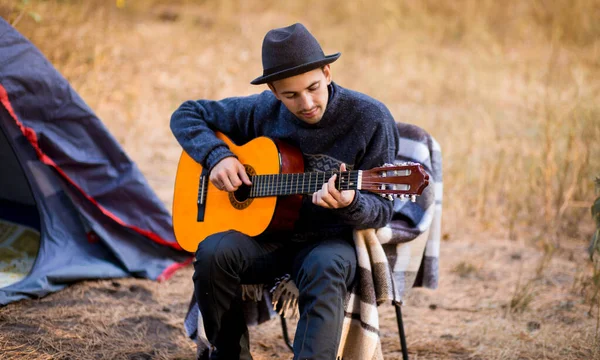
x=510 y=89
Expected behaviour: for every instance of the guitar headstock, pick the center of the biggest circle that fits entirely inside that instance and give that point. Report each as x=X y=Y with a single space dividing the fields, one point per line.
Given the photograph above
x=405 y=180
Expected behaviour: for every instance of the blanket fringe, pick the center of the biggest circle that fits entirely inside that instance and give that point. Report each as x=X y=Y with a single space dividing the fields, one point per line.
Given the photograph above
x=252 y=292
x=285 y=297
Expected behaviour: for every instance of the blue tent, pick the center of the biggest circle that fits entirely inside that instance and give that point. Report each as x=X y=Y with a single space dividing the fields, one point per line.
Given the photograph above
x=73 y=206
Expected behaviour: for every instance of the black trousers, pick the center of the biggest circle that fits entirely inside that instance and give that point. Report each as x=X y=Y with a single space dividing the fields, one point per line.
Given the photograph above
x=322 y=271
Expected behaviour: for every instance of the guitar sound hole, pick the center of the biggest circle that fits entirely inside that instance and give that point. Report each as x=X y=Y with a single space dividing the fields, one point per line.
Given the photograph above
x=242 y=193
x=240 y=199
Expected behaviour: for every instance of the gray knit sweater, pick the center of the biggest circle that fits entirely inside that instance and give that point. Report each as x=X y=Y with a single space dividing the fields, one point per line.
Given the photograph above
x=355 y=129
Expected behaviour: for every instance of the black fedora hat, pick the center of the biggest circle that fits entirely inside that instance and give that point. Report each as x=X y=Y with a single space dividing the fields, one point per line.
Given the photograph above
x=291 y=51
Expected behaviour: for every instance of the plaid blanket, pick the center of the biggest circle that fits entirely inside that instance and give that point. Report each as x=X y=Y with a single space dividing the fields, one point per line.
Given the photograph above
x=400 y=256
x=391 y=260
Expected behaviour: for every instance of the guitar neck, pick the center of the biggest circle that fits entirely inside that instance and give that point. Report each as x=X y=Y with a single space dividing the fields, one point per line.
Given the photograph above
x=302 y=183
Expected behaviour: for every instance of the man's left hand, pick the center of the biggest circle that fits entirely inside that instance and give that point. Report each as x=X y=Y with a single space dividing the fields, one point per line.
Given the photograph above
x=331 y=198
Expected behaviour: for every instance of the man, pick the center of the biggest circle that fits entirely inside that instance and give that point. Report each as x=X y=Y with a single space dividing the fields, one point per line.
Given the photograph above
x=332 y=126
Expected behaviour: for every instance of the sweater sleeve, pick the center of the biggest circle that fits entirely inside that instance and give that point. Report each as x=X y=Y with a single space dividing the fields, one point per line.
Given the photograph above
x=369 y=210
x=194 y=124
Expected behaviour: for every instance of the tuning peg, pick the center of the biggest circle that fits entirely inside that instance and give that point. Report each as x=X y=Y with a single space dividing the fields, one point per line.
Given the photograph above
x=387 y=196
x=413 y=198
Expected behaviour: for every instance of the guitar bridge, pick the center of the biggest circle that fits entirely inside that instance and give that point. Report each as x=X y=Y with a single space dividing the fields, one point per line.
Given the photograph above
x=202 y=189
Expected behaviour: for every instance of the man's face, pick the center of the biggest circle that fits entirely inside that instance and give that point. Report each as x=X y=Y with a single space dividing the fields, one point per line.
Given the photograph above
x=305 y=95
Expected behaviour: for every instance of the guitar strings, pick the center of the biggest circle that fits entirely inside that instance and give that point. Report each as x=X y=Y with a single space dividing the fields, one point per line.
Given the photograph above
x=286 y=188
x=296 y=183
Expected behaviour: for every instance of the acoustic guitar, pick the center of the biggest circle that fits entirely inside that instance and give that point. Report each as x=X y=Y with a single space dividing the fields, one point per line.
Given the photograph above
x=273 y=201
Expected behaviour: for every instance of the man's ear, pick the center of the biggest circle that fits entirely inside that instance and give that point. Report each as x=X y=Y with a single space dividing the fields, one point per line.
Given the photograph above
x=273 y=90
x=327 y=73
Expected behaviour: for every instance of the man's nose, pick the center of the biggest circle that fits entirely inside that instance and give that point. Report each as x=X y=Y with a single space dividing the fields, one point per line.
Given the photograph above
x=306 y=102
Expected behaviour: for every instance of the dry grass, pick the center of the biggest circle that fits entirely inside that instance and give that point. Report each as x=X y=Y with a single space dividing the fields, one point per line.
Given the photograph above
x=123 y=319
x=511 y=90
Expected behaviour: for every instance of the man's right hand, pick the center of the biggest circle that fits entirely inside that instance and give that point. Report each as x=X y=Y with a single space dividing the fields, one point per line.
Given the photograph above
x=229 y=174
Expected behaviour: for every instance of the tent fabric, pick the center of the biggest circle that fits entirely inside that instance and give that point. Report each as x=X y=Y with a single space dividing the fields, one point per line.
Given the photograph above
x=97 y=216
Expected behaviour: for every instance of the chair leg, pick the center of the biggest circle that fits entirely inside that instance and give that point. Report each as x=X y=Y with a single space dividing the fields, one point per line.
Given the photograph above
x=401 y=331
x=286 y=337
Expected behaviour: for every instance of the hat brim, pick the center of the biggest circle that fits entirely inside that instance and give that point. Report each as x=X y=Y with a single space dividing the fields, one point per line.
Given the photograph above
x=296 y=70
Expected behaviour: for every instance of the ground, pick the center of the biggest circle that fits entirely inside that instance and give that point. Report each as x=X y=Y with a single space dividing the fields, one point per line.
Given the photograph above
x=476 y=313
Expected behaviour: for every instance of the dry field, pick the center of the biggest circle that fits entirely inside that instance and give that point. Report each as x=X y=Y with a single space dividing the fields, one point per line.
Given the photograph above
x=510 y=89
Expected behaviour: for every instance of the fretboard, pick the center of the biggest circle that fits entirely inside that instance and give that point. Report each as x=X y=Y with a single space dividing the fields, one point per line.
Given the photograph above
x=301 y=183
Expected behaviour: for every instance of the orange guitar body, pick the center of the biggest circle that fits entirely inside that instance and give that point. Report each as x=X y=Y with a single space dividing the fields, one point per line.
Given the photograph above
x=221 y=210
